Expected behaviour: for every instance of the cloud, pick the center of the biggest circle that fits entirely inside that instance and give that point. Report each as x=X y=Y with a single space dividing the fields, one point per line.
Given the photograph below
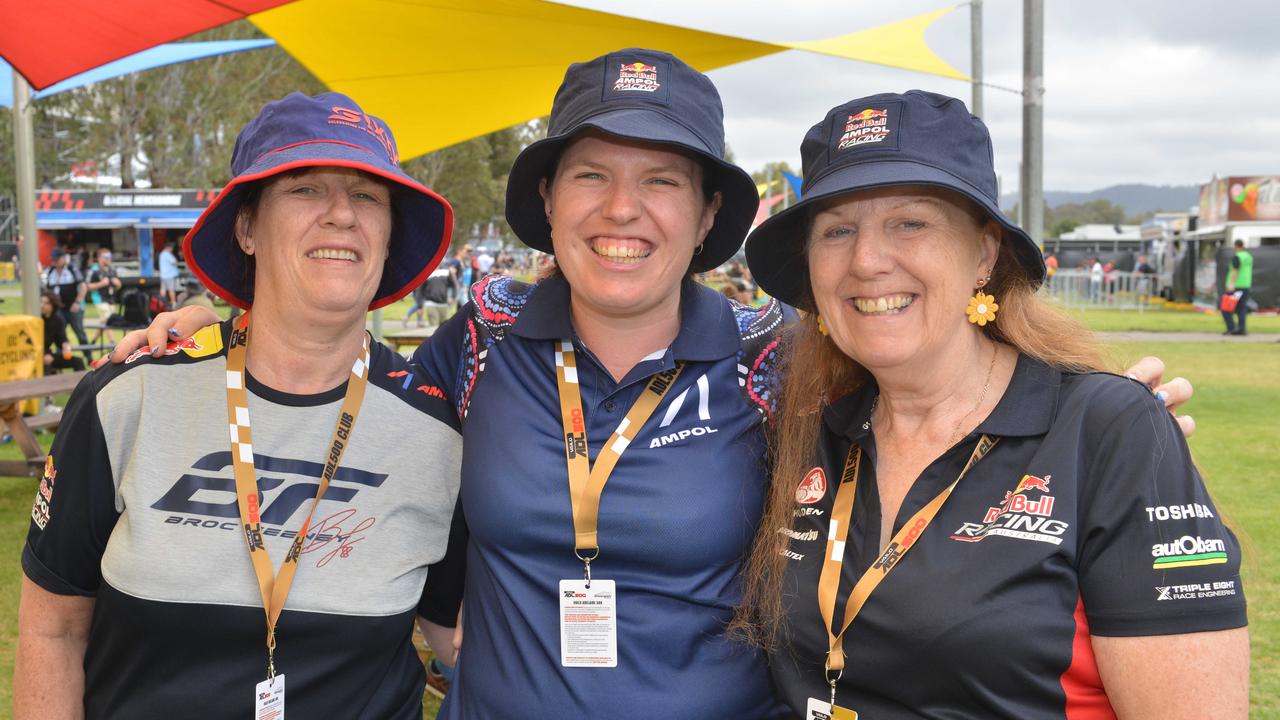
x=1150 y=91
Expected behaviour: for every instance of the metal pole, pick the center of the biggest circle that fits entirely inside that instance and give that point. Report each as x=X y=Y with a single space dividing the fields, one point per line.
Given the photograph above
x=768 y=187
x=975 y=55
x=1032 y=184
x=25 y=170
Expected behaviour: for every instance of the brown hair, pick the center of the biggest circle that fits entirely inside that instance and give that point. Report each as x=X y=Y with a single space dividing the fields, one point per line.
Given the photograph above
x=53 y=299
x=823 y=373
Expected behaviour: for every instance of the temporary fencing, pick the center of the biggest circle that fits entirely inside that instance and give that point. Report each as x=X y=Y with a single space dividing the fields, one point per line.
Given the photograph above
x=1115 y=289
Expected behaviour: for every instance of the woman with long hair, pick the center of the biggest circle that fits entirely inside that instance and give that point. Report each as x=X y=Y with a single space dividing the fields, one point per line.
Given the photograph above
x=968 y=518
x=614 y=462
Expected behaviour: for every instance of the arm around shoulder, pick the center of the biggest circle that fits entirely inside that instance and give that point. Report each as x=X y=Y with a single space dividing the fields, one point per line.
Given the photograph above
x=173 y=325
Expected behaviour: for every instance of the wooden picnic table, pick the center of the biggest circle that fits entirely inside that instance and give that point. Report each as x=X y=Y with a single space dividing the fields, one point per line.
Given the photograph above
x=411 y=338
x=12 y=394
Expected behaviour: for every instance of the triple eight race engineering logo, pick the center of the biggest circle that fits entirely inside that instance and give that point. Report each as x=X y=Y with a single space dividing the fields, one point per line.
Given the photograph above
x=637 y=76
x=868 y=126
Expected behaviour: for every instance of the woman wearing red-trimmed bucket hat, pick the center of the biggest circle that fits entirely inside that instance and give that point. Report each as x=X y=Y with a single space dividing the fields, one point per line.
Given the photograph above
x=173 y=569
x=630 y=192
x=618 y=367
x=968 y=518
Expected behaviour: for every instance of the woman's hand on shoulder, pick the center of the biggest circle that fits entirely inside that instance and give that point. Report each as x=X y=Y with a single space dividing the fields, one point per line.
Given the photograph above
x=1150 y=372
x=181 y=323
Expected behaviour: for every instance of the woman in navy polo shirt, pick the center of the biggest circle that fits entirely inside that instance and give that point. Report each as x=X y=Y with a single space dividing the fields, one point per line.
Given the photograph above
x=978 y=523
x=617 y=357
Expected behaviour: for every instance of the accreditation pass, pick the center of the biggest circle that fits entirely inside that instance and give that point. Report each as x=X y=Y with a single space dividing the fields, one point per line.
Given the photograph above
x=821 y=710
x=588 y=624
x=268 y=699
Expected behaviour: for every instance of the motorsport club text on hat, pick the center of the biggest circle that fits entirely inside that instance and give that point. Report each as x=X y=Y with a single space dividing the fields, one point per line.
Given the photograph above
x=644 y=95
x=885 y=140
x=328 y=130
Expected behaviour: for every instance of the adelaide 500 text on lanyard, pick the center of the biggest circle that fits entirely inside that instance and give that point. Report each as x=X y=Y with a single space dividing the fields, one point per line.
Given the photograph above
x=269 y=694
x=589 y=609
x=889 y=558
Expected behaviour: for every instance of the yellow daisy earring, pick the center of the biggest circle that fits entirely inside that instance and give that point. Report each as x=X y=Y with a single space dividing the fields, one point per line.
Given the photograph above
x=982 y=307
x=822 y=326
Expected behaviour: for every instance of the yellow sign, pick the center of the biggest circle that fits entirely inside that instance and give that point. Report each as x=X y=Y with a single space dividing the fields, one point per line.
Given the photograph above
x=22 y=351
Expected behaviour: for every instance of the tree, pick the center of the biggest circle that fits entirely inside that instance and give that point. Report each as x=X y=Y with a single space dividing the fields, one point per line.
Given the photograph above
x=176 y=127
x=472 y=176
x=772 y=172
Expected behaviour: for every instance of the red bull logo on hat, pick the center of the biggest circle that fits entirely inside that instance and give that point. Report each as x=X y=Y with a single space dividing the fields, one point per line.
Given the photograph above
x=639 y=67
x=871 y=125
x=637 y=77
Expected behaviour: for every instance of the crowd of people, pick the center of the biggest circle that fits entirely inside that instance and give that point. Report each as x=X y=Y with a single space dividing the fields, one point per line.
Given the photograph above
x=610 y=491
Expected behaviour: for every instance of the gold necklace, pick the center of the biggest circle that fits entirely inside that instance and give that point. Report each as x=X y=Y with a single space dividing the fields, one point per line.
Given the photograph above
x=956 y=434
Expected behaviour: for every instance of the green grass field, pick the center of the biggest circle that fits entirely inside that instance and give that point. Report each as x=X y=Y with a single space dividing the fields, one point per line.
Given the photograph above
x=1236 y=445
x=1170 y=321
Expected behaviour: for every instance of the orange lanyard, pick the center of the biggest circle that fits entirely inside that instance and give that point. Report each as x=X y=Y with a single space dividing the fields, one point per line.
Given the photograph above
x=586 y=482
x=890 y=556
x=275 y=588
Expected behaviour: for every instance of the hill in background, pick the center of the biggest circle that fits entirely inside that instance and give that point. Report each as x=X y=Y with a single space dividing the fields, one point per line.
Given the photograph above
x=1135 y=199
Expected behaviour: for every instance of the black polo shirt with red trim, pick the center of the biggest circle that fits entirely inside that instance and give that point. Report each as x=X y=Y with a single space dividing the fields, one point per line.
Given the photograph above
x=1087 y=518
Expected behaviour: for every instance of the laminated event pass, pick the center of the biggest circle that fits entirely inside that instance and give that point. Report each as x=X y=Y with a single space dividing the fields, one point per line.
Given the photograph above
x=588 y=624
x=268 y=699
x=821 y=710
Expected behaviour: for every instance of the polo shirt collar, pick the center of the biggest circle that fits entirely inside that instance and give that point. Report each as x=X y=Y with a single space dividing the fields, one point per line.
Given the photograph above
x=708 y=328
x=1026 y=410
x=1029 y=403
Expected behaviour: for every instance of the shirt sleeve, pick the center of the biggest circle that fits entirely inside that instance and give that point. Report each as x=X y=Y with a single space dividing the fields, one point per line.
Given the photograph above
x=75 y=508
x=1235 y=262
x=440 y=356
x=442 y=596
x=1155 y=555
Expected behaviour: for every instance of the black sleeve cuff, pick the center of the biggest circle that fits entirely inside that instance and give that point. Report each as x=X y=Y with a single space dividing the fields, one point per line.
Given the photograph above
x=47 y=579
x=442 y=596
x=1199 y=621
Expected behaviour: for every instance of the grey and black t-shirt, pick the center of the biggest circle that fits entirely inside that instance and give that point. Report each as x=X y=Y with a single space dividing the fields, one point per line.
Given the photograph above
x=137 y=509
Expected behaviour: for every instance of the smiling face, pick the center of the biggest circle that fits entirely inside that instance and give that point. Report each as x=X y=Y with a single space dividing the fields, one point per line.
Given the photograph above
x=892 y=271
x=319 y=239
x=625 y=220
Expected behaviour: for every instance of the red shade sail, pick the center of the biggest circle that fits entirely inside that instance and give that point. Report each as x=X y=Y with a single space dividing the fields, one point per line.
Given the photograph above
x=50 y=41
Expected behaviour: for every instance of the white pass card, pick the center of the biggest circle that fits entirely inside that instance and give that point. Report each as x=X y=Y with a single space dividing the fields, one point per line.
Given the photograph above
x=588 y=624
x=268 y=699
x=822 y=710
x=818 y=710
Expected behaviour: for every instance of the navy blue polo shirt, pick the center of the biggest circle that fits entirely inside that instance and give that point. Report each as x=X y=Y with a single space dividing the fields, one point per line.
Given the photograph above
x=1087 y=518
x=676 y=517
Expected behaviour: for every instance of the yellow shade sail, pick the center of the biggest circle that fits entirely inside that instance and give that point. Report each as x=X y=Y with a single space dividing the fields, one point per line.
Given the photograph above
x=443 y=71
x=900 y=44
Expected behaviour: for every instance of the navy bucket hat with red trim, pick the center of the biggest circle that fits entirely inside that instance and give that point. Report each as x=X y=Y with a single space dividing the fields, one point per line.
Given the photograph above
x=644 y=95
x=328 y=130
x=885 y=140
